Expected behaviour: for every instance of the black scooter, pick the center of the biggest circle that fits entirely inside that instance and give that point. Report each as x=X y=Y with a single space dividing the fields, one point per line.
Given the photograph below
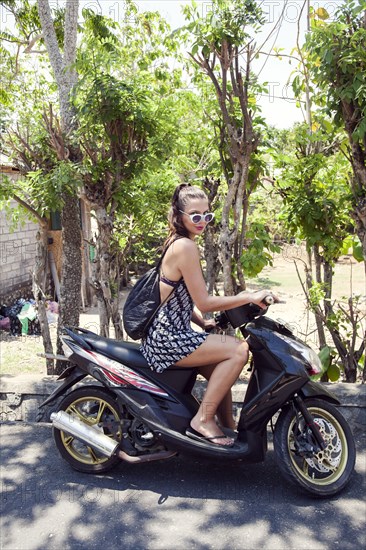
x=136 y=415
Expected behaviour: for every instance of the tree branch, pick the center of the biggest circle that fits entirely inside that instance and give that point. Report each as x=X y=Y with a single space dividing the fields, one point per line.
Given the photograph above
x=28 y=49
x=42 y=220
x=279 y=55
x=50 y=38
x=70 y=35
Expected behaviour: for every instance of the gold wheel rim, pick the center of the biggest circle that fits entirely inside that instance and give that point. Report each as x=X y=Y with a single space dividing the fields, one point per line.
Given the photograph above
x=330 y=429
x=81 y=451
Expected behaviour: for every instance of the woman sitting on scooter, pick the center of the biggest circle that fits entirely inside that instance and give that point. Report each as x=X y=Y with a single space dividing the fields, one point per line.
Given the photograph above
x=171 y=339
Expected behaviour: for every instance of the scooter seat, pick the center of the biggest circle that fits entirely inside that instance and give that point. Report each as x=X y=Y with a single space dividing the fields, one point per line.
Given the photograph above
x=125 y=352
x=179 y=379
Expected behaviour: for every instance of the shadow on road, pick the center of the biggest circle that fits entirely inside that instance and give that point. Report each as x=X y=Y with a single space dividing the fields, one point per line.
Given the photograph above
x=179 y=503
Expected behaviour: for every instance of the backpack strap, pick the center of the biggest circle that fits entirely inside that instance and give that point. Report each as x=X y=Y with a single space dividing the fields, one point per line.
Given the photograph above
x=166 y=250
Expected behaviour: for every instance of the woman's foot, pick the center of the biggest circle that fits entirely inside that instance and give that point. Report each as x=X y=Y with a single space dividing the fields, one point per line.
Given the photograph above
x=212 y=433
x=229 y=425
x=229 y=432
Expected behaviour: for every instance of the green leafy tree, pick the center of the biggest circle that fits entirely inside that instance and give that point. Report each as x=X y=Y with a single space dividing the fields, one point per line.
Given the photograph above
x=331 y=76
x=135 y=132
x=62 y=58
x=126 y=111
x=35 y=140
x=222 y=50
x=336 y=60
x=316 y=208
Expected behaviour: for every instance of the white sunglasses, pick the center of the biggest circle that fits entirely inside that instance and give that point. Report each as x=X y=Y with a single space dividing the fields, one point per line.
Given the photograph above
x=197 y=218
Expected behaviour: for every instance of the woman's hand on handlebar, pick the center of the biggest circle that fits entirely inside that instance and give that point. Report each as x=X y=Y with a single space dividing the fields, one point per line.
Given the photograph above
x=209 y=324
x=262 y=298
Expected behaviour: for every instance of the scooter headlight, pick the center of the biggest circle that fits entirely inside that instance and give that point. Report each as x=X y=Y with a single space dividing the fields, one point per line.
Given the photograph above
x=312 y=362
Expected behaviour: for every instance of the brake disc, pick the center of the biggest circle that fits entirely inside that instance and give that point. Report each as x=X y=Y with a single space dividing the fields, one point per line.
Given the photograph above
x=330 y=457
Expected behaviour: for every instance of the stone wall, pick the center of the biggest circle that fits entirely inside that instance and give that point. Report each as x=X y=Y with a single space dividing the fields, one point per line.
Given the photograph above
x=20 y=397
x=17 y=251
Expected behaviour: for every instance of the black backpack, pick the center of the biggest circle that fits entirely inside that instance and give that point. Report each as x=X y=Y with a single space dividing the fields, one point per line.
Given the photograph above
x=143 y=303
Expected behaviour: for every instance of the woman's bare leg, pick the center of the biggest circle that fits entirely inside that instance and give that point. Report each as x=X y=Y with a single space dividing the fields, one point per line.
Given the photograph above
x=225 y=409
x=229 y=355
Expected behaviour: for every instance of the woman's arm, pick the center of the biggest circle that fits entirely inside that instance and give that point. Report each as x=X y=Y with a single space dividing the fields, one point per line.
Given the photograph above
x=197 y=319
x=201 y=322
x=186 y=258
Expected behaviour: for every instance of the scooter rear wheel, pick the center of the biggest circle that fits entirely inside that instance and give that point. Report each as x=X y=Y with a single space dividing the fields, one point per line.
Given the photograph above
x=324 y=473
x=96 y=407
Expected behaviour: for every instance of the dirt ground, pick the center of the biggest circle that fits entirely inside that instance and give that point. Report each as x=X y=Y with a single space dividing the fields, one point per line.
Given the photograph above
x=283 y=279
x=19 y=354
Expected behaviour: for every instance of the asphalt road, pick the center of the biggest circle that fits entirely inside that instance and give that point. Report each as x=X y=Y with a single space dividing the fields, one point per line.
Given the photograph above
x=181 y=503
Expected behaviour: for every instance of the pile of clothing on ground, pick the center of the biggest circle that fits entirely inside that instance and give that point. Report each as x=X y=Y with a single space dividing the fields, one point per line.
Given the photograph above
x=21 y=318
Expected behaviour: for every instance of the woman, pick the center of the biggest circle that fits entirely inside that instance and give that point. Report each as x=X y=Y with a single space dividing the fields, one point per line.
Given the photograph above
x=171 y=339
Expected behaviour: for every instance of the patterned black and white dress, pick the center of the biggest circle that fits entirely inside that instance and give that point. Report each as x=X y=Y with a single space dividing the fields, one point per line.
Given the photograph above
x=170 y=336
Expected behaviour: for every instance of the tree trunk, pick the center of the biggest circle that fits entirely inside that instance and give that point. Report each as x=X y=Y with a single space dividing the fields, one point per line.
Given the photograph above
x=241 y=242
x=211 y=257
x=348 y=360
x=359 y=215
x=318 y=316
x=211 y=238
x=65 y=75
x=116 y=317
x=108 y=297
x=39 y=291
x=346 y=354
x=66 y=79
x=228 y=234
x=70 y=288
x=351 y=116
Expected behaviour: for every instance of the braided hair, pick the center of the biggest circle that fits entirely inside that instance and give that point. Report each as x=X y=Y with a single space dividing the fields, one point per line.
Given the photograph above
x=182 y=195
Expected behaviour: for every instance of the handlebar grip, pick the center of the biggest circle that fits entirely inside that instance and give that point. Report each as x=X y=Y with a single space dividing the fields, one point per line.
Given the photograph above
x=269 y=300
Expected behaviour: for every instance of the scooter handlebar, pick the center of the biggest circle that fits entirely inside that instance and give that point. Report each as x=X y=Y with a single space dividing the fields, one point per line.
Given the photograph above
x=223 y=319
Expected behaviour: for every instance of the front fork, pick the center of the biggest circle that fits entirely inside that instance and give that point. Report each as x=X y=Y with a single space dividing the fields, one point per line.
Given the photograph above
x=311 y=429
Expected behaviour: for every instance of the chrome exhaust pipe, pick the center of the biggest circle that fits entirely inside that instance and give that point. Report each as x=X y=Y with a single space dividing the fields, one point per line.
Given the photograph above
x=87 y=434
x=104 y=444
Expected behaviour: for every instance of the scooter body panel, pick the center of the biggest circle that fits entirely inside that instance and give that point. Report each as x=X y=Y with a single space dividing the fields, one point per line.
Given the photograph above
x=314 y=390
x=75 y=375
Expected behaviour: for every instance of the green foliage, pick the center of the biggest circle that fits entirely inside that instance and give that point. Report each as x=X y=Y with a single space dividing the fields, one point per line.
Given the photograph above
x=353 y=243
x=259 y=251
x=227 y=20
x=337 y=57
x=41 y=190
x=315 y=192
x=124 y=115
x=327 y=356
x=345 y=319
x=6 y=188
x=317 y=294
x=16 y=216
x=127 y=106
x=28 y=25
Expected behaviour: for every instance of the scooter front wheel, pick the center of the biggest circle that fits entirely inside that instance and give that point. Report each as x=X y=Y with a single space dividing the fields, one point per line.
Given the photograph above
x=324 y=473
x=95 y=407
